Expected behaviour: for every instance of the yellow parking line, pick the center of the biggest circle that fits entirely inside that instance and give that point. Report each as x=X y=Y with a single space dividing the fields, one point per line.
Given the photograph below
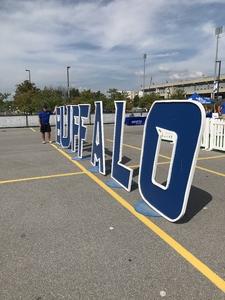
x=127 y=145
x=135 y=147
x=40 y=177
x=133 y=166
x=138 y=148
x=33 y=129
x=210 y=171
x=163 y=162
x=159 y=163
x=211 y=157
x=187 y=255
x=167 y=157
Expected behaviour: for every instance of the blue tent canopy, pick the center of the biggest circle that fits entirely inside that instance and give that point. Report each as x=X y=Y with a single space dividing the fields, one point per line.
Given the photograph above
x=202 y=100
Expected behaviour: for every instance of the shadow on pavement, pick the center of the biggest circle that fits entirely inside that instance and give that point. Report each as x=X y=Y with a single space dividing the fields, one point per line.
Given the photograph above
x=197 y=200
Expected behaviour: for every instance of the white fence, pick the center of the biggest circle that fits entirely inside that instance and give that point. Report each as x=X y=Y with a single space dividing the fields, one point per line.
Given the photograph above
x=206 y=134
x=213 y=137
x=216 y=135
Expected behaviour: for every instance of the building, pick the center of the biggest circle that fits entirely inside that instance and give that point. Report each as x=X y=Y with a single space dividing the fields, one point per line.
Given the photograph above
x=203 y=86
x=130 y=94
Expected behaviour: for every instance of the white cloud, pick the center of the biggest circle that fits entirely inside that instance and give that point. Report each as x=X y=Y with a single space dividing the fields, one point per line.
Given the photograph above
x=186 y=75
x=46 y=36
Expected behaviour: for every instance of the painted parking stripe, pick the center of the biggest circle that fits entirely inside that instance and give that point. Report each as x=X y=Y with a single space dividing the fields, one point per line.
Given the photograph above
x=187 y=255
x=159 y=163
x=167 y=157
x=137 y=148
x=211 y=157
x=40 y=177
x=211 y=171
x=200 y=158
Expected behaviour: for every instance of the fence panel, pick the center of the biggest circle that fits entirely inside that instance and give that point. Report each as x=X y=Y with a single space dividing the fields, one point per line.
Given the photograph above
x=205 y=143
x=217 y=135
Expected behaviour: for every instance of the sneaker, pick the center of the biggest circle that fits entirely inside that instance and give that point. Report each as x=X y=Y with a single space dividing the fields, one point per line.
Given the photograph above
x=44 y=142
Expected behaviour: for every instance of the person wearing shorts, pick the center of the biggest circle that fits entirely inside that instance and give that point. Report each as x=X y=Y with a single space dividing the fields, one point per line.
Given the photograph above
x=45 y=127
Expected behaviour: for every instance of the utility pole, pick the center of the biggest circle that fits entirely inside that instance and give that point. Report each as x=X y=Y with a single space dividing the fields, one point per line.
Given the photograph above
x=144 y=57
x=218 y=31
x=218 y=78
x=28 y=75
x=68 y=82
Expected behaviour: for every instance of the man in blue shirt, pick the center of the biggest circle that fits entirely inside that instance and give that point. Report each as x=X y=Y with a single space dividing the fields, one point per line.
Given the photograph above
x=45 y=127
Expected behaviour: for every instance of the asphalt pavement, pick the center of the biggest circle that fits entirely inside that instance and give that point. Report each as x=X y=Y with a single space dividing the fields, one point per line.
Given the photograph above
x=65 y=235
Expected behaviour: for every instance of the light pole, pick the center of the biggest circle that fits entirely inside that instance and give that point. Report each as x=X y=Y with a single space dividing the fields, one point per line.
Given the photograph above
x=218 y=31
x=68 y=82
x=144 y=57
x=218 y=78
x=29 y=75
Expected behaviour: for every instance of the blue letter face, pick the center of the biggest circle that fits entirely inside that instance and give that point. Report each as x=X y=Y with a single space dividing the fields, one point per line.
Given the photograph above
x=98 y=145
x=84 y=110
x=74 y=126
x=57 y=121
x=185 y=121
x=120 y=173
x=65 y=126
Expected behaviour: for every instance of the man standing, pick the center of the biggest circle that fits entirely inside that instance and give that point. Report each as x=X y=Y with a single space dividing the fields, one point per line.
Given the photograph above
x=45 y=127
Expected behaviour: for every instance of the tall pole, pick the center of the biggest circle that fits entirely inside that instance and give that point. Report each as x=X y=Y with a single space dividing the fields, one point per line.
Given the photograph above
x=216 y=57
x=218 y=78
x=218 y=31
x=29 y=75
x=144 y=57
x=68 y=82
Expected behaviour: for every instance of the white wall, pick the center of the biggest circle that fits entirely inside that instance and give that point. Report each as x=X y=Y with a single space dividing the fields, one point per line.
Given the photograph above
x=12 y=121
x=32 y=121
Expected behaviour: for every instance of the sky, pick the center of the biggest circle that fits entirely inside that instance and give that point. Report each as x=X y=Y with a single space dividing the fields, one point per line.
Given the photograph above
x=104 y=41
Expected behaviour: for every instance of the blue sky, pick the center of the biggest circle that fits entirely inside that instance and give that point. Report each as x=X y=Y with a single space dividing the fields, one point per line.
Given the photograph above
x=104 y=41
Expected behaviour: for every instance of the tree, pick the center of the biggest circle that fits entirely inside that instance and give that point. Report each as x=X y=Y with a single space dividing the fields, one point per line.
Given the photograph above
x=136 y=101
x=74 y=93
x=5 y=105
x=148 y=99
x=178 y=93
x=2 y=98
x=48 y=96
x=114 y=95
x=24 y=95
x=29 y=99
x=86 y=97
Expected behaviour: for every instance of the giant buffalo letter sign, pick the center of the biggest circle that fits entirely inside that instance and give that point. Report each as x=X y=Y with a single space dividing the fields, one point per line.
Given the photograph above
x=65 y=126
x=74 y=127
x=98 y=145
x=57 y=120
x=185 y=121
x=84 y=110
x=120 y=173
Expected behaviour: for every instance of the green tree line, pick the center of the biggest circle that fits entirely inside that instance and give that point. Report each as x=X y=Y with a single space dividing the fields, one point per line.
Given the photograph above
x=29 y=99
